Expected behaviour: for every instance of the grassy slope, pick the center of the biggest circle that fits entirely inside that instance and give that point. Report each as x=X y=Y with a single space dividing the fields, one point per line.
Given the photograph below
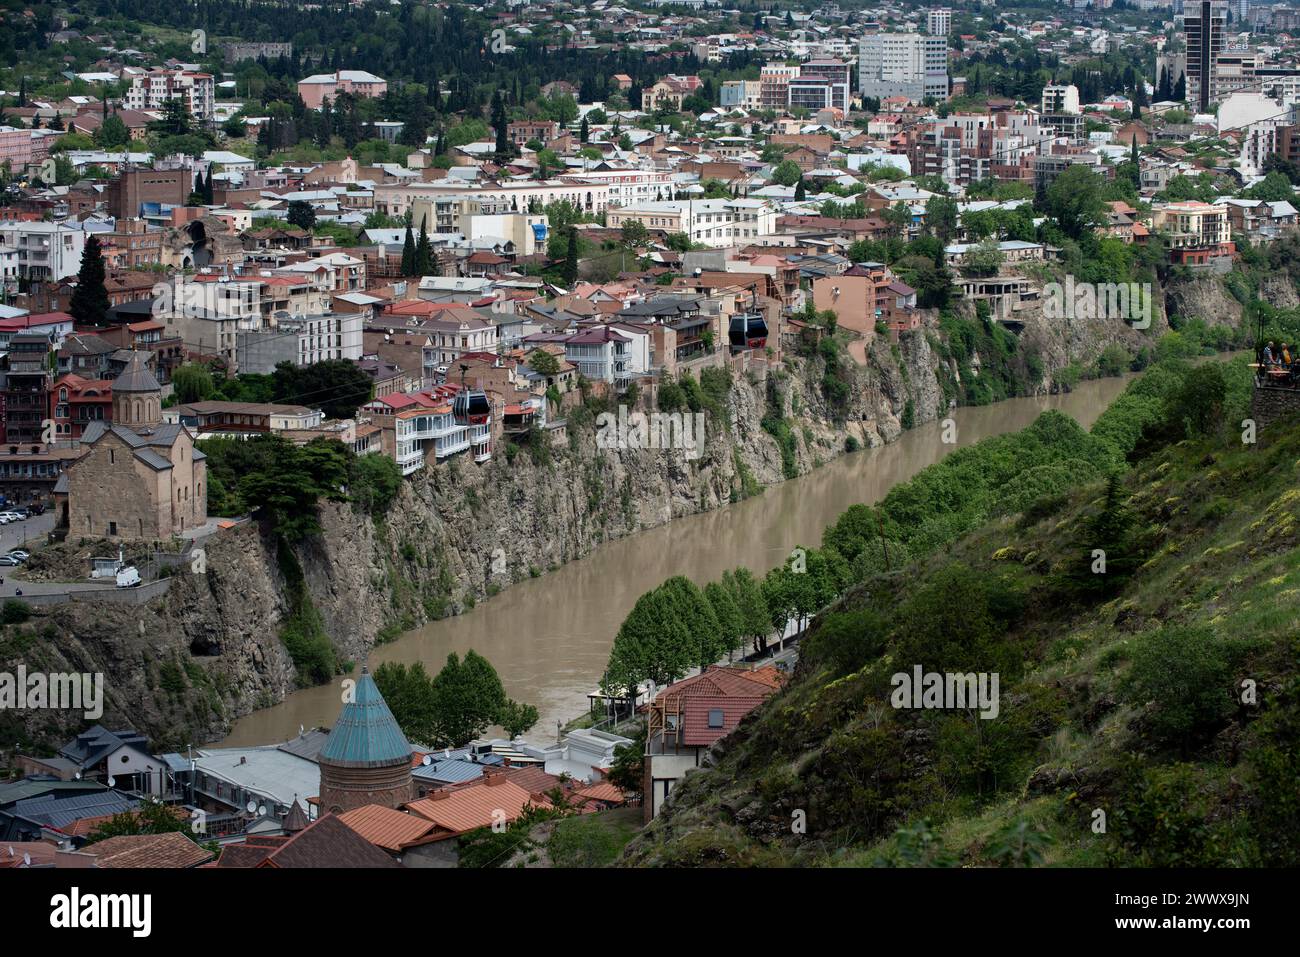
x=1215 y=525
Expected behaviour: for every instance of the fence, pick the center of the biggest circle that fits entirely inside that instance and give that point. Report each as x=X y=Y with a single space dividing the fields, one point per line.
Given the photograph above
x=123 y=596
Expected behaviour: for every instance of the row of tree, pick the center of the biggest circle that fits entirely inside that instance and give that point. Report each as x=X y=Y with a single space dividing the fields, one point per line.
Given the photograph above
x=454 y=706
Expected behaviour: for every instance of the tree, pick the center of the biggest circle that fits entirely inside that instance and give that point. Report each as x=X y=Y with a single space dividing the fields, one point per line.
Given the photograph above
x=941 y=217
x=191 y=383
x=583 y=131
x=1273 y=187
x=635 y=235
x=504 y=148
x=787 y=173
x=467 y=698
x=301 y=214
x=112 y=133
x=731 y=633
x=543 y=363
x=1186 y=673
x=89 y=303
x=1074 y=201
x=800 y=191
x=423 y=251
x=985 y=259
x=338 y=387
x=517 y=718
x=408 y=253
x=747 y=594
x=569 y=271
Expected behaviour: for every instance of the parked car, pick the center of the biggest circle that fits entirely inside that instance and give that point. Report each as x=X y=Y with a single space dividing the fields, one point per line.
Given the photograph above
x=22 y=512
x=38 y=509
x=21 y=554
x=8 y=561
x=7 y=517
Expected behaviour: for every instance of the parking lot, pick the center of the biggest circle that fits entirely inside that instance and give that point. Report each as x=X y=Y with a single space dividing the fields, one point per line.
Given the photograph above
x=29 y=534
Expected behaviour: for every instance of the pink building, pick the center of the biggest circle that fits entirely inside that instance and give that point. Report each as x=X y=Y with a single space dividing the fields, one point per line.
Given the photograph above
x=19 y=148
x=314 y=90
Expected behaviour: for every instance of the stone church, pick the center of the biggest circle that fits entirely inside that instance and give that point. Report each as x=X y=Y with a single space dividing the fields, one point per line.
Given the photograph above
x=137 y=479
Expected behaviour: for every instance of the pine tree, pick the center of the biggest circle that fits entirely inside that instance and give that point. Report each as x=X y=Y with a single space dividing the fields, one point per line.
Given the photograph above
x=570 y=270
x=208 y=199
x=198 y=185
x=423 y=252
x=89 y=302
x=582 y=130
x=800 y=193
x=408 y=253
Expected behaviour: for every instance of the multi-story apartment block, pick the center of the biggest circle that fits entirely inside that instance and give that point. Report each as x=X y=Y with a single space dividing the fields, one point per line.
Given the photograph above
x=150 y=91
x=741 y=95
x=903 y=64
x=1203 y=26
x=669 y=92
x=46 y=251
x=822 y=84
x=1060 y=99
x=1196 y=233
x=774 y=85
x=938 y=23
x=300 y=341
x=628 y=186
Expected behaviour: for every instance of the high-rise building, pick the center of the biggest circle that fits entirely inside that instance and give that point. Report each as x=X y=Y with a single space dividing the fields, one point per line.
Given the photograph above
x=903 y=64
x=938 y=22
x=822 y=83
x=1203 y=25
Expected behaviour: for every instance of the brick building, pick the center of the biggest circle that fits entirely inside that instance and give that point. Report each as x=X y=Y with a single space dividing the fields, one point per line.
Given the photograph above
x=138 y=479
x=134 y=187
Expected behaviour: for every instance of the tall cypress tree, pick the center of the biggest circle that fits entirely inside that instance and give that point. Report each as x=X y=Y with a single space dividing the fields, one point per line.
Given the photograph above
x=570 y=270
x=89 y=302
x=423 y=252
x=408 y=253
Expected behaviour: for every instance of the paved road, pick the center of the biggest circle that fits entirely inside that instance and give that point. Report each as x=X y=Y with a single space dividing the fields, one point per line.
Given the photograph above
x=30 y=534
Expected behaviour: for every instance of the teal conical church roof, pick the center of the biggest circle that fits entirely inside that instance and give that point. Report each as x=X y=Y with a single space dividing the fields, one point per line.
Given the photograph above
x=366 y=735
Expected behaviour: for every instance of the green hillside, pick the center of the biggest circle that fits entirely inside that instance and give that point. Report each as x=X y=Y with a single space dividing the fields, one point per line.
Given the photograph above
x=1148 y=715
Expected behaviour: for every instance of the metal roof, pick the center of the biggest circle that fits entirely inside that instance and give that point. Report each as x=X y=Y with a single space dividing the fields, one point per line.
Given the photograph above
x=366 y=734
x=59 y=812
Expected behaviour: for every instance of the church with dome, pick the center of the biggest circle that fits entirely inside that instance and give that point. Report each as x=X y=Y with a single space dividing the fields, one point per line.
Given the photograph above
x=138 y=478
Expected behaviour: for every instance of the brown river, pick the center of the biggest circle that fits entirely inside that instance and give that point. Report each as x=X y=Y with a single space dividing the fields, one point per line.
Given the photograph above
x=549 y=637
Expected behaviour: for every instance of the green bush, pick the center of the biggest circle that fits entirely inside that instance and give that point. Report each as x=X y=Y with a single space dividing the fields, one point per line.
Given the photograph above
x=1186 y=672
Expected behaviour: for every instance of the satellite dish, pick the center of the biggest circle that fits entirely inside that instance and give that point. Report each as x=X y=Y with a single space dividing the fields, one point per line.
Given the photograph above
x=27 y=859
x=77 y=776
x=112 y=781
x=428 y=760
x=261 y=809
x=251 y=807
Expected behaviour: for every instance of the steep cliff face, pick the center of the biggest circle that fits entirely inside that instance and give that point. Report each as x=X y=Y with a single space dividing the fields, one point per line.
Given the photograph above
x=183 y=667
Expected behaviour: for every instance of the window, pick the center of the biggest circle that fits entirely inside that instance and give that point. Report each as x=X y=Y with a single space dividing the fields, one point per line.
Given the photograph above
x=715 y=718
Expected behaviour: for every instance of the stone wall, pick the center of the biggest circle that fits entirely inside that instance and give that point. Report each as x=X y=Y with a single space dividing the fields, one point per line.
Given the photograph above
x=1271 y=403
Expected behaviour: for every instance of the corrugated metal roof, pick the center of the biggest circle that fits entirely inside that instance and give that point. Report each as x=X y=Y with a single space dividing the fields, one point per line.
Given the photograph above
x=59 y=812
x=448 y=772
x=366 y=734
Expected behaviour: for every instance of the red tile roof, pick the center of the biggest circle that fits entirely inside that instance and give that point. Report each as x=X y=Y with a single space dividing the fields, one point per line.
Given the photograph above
x=466 y=808
x=173 y=849
x=384 y=827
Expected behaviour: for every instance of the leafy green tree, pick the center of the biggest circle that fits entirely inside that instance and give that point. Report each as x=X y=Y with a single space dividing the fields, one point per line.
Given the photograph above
x=468 y=699
x=1186 y=674
x=747 y=594
x=1074 y=201
x=635 y=235
x=89 y=303
x=941 y=217
x=696 y=616
x=569 y=271
x=517 y=718
x=731 y=634
x=543 y=363
x=338 y=387
x=787 y=173
x=301 y=214
x=151 y=817
x=408 y=692
x=192 y=383
x=112 y=134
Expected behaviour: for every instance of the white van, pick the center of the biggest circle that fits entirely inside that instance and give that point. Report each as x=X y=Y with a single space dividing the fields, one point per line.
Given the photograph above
x=128 y=577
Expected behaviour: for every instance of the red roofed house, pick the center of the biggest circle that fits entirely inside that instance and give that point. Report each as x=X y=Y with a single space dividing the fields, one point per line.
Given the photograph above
x=686 y=718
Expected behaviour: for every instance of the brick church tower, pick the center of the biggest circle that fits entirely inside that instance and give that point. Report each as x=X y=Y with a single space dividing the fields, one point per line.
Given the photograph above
x=367 y=759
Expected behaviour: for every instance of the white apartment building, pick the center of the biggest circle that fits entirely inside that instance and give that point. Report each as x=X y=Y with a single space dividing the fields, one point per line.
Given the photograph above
x=903 y=64
x=630 y=186
x=300 y=341
x=1060 y=99
x=741 y=95
x=44 y=251
x=149 y=91
x=394 y=199
x=713 y=222
x=938 y=23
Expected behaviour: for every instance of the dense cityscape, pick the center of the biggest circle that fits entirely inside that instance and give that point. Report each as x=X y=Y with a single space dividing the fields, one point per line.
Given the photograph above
x=656 y=434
